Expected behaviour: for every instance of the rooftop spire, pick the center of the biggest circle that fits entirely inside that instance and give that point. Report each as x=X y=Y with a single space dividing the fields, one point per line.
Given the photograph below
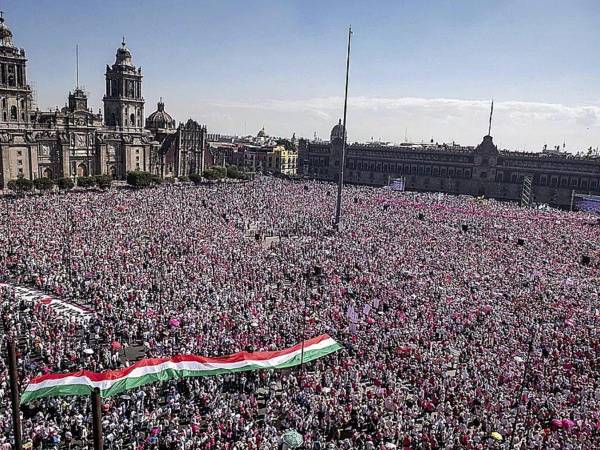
x=1 y=16
x=123 y=43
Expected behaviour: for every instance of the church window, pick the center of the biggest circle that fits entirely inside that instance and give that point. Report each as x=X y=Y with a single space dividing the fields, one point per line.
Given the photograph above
x=4 y=116
x=4 y=102
x=22 y=103
x=132 y=120
x=11 y=75
x=13 y=112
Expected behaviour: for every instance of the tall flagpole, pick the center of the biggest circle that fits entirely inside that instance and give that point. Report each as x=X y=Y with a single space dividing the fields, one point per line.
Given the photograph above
x=338 y=206
x=97 y=420
x=14 y=394
x=77 y=64
x=491 y=114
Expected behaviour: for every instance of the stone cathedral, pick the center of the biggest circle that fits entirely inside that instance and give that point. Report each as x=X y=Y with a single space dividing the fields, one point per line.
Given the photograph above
x=74 y=141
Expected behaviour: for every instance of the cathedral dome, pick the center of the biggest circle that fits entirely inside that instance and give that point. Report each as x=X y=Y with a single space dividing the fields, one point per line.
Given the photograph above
x=160 y=119
x=5 y=34
x=338 y=131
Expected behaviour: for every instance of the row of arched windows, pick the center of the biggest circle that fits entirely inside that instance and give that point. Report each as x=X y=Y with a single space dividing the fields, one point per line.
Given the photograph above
x=409 y=169
x=554 y=181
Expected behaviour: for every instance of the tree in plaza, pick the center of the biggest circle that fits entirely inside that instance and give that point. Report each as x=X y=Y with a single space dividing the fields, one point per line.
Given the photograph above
x=236 y=174
x=195 y=178
x=20 y=185
x=103 y=181
x=211 y=174
x=86 y=182
x=140 y=179
x=43 y=184
x=65 y=184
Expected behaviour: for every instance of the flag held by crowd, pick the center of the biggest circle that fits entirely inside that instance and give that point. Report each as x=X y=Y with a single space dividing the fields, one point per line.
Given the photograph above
x=148 y=371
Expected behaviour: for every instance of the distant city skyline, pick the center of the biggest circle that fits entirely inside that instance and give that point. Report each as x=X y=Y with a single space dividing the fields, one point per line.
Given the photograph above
x=425 y=70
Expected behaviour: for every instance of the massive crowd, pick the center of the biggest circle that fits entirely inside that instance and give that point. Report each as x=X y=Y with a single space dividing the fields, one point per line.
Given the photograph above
x=479 y=336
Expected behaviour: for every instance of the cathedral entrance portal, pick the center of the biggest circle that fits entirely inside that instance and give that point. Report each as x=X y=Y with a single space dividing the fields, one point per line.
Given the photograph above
x=81 y=170
x=112 y=171
x=47 y=173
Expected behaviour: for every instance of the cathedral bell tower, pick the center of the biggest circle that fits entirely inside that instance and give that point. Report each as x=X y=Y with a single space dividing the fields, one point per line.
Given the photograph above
x=123 y=101
x=15 y=93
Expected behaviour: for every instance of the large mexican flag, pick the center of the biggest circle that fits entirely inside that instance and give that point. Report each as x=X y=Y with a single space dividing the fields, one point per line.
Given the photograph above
x=147 y=371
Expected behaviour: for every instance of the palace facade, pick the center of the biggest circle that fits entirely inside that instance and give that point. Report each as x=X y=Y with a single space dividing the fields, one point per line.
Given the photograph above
x=531 y=178
x=74 y=141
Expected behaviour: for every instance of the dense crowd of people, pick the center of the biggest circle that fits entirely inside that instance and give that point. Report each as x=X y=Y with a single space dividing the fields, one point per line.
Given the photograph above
x=466 y=323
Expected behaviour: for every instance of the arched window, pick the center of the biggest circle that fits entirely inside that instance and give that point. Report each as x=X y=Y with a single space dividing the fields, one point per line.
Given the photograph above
x=13 y=113
x=132 y=120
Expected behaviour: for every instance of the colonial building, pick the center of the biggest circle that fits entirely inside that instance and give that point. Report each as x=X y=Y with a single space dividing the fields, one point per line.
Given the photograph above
x=480 y=171
x=260 y=153
x=182 y=150
x=74 y=141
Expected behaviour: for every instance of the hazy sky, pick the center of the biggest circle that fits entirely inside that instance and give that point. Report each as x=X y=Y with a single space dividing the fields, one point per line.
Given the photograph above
x=424 y=68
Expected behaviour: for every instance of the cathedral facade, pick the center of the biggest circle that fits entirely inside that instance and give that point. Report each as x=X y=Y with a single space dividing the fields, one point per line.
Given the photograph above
x=539 y=178
x=74 y=141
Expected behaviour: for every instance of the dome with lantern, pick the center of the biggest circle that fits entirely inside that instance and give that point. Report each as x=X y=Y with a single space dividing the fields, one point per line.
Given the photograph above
x=123 y=55
x=5 y=35
x=338 y=131
x=160 y=119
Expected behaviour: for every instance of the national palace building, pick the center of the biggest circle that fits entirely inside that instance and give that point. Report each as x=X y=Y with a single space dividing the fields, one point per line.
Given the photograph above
x=541 y=178
x=74 y=141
